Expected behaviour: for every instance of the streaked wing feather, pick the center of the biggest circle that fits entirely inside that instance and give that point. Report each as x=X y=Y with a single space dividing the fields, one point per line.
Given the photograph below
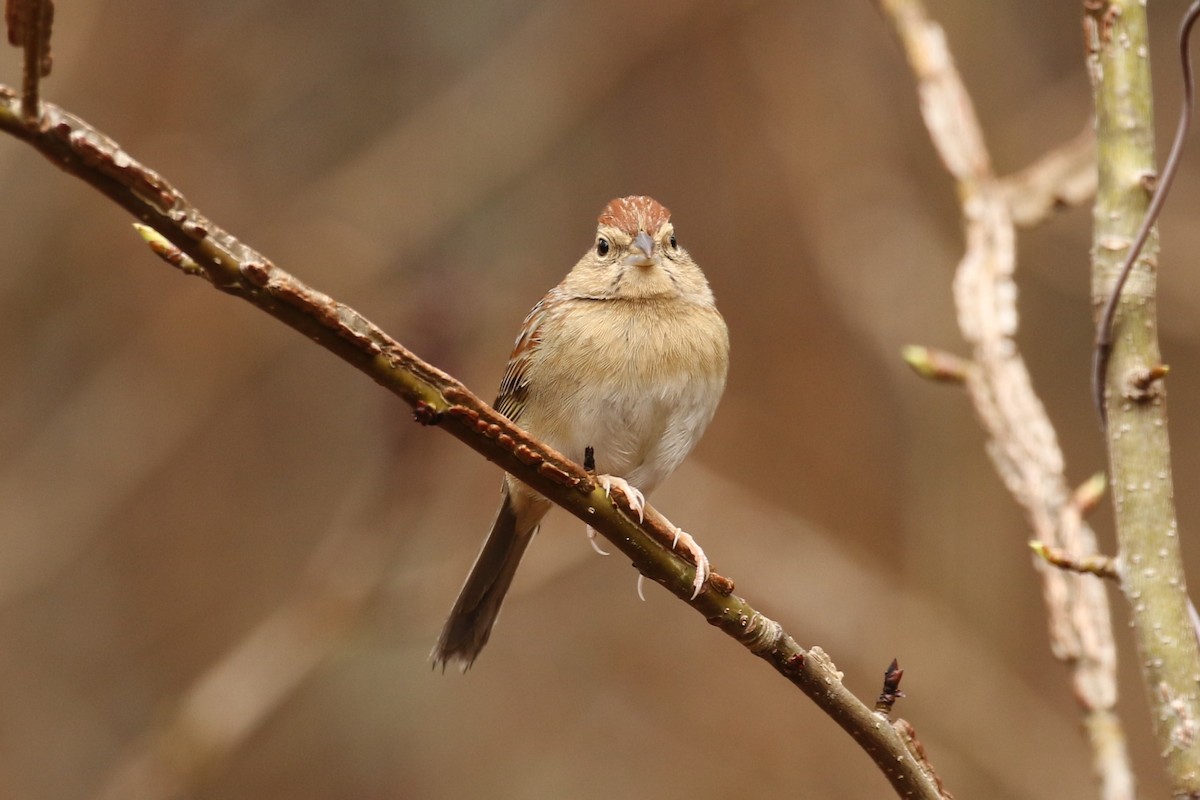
x=514 y=386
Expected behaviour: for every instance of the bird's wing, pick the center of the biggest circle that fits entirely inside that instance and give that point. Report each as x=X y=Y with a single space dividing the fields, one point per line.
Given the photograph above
x=514 y=386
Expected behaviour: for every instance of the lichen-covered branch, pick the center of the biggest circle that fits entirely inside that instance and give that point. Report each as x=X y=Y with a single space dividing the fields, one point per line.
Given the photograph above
x=1138 y=448
x=1021 y=439
x=196 y=246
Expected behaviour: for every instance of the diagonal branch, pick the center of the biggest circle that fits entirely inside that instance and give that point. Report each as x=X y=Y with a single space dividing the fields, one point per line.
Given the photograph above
x=1021 y=439
x=440 y=400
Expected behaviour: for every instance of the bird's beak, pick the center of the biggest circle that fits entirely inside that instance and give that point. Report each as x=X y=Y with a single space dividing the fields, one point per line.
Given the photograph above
x=641 y=252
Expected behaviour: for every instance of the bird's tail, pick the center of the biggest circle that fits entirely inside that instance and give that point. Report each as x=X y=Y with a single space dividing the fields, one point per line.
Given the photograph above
x=474 y=613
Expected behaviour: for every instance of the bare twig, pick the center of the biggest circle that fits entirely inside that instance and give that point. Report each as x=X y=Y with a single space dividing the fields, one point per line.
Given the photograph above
x=890 y=692
x=1064 y=177
x=29 y=23
x=909 y=734
x=1088 y=494
x=1098 y=565
x=1022 y=442
x=936 y=365
x=1082 y=501
x=1133 y=400
x=1103 y=26
x=438 y=399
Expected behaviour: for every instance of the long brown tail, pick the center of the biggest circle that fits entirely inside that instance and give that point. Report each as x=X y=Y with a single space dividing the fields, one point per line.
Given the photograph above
x=474 y=613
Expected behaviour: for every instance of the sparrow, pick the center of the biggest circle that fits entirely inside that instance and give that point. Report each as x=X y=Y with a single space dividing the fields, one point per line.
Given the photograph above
x=622 y=366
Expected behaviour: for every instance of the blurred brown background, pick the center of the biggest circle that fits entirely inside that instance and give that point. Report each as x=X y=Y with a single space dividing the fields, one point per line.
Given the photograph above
x=204 y=517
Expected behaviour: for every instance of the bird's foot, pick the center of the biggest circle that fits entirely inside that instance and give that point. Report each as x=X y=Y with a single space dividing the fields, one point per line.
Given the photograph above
x=682 y=541
x=636 y=500
x=703 y=569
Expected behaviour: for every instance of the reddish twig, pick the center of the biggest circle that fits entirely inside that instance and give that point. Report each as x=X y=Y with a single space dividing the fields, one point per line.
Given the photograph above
x=29 y=23
x=890 y=692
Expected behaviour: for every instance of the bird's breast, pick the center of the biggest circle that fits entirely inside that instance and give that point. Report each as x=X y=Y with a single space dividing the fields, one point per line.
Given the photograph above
x=635 y=382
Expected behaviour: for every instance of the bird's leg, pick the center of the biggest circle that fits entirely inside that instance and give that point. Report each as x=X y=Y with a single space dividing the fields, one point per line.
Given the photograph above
x=589 y=464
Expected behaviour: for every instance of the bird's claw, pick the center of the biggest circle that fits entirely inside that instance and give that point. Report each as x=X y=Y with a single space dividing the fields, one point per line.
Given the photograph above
x=683 y=540
x=703 y=570
x=591 y=534
x=636 y=500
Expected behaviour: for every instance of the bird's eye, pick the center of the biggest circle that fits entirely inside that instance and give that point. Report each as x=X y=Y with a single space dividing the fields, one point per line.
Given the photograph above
x=674 y=244
x=602 y=247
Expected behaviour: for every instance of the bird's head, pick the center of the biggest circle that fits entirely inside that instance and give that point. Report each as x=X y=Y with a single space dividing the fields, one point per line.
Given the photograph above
x=636 y=255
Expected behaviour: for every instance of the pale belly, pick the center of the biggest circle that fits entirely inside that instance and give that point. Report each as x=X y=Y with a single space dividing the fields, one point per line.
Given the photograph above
x=639 y=392
x=640 y=435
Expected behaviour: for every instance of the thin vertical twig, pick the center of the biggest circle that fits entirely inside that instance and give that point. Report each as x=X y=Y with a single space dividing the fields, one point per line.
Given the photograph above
x=1103 y=348
x=1134 y=395
x=1022 y=442
x=1162 y=187
x=29 y=23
